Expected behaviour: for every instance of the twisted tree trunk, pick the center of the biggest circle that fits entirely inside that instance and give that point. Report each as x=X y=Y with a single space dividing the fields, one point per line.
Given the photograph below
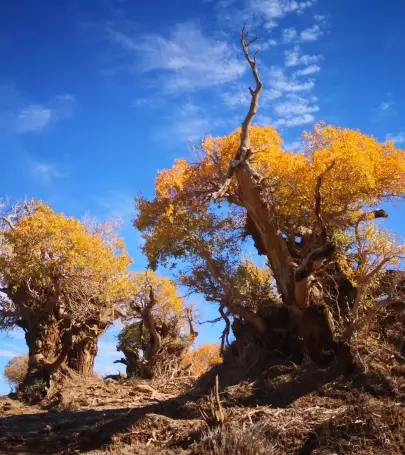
x=56 y=346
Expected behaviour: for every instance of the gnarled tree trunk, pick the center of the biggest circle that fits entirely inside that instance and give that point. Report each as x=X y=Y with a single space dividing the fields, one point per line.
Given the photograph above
x=55 y=348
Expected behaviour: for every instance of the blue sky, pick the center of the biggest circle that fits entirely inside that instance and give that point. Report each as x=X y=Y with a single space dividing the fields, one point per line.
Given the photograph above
x=97 y=95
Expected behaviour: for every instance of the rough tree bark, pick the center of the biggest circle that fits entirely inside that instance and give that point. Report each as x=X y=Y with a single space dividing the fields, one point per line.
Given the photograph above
x=56 y=343
x=293 y=281
x=57 y=348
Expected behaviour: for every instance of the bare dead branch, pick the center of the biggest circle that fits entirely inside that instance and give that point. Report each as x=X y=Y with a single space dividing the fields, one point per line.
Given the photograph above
x=212 y=321
x=217 y=416
x=8 y=219
x=244 y=148
x=189 y=317
x=227 y=329
x=123 y=361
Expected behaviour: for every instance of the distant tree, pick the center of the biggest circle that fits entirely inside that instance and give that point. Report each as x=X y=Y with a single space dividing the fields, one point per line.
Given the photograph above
x=16 y=370
x=158 y=328
x=203 y=358
x=62 y=281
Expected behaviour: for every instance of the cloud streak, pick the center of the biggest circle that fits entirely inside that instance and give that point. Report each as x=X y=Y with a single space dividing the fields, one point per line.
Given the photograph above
x=190 y=60
x=20 y=116
x=294 y=57
x=398 y=138
x=280 y=82
x=311 y=33
x=7 y=353
x=45 y=172
x=272 y=10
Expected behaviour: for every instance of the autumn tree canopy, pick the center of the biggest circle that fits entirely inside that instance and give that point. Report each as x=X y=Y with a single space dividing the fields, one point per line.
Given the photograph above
x=297 y=207
x=158 y=327
x=61 y=283
x=203 y=358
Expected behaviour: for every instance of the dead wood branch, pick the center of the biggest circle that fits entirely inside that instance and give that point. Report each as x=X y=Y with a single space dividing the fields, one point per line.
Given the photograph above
x=216 y=417
x=242 y=154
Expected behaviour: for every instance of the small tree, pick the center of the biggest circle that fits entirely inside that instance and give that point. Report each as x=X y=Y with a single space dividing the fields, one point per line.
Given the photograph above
x=62 y=281
x=158 y=328
x=202 y=359
x=16 y=370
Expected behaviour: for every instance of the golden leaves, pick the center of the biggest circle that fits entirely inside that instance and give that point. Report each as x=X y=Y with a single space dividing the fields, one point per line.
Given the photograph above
x=168 y=302
x=203 y=358
x=59 y=254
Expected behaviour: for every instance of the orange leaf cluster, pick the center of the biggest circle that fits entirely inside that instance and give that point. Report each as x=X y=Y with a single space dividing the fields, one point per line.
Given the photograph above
x=203 y=358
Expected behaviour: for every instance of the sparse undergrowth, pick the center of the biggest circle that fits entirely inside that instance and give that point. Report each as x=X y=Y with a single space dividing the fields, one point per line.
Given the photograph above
x=271 y=406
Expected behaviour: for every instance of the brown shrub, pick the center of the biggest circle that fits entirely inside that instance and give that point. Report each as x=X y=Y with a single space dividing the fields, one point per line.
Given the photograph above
x=16 y=369
x=235 y=440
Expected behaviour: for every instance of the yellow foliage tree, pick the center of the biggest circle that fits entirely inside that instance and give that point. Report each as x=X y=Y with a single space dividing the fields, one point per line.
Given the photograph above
x=203 y=358
x=291 y=204
x=62 y=281
x=155 y=325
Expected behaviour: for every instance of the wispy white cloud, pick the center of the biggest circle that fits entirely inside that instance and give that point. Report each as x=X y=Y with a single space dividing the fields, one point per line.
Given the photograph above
x=45 y=173
x=264 y=45
x=289 y=35
x=312 y=69
x=272 y=10
x=386 y=106
x=295 y=110
x=238 y=95
x=295 y=107
x=295 y=146
x=107 y=353
x=191 y=122
x=270 y=95
x=386 y=109
x=311 y=33
x=7 y=353
x=21 y=116
x=320 y=18
x=282 y=83
x=294 y=121
x=294 y=57
x=189 y=59
x=398 y=138
x=32 y=118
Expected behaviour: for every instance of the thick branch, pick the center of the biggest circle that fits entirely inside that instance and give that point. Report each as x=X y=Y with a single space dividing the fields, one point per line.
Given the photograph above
x=189 y=316
x=227 y=329
x=149 y=322
x=7 y=219
x=123 y=361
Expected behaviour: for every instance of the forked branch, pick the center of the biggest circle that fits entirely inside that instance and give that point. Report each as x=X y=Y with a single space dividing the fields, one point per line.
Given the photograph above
x=8 y=220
